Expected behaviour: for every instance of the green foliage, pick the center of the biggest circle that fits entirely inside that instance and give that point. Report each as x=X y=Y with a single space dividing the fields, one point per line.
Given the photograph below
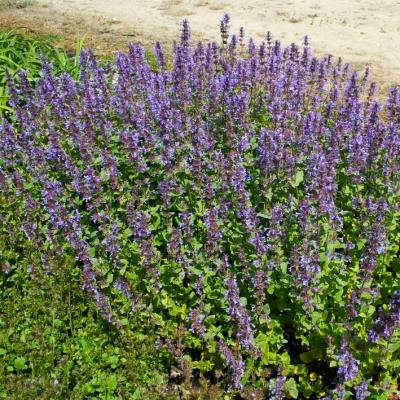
x=54 y=344
x=19 y=51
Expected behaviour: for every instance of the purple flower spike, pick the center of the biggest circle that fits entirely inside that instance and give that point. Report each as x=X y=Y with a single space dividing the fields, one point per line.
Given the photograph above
x=235 y=363
x=238 y=313
x=224 y=28
x=362 y=391
x=349 y=366
x=277 y=387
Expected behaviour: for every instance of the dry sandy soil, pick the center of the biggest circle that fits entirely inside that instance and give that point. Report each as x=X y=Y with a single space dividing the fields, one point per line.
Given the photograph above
x=363 y=32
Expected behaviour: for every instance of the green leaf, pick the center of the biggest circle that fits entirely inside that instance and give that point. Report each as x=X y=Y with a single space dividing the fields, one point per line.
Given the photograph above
x=292 y=388
x=20 y=363
x=284 y=267
x=2 y=351
x=262 y=342
x=113 y=361
x=137 y=395
x=87 y=345
x=156 y=220
x=392 y=347
x=88 y=388
x=112 y=382
x=285 y=358
x=306 y=357
x=298 y=178
x=110 y=278
x=202 y=365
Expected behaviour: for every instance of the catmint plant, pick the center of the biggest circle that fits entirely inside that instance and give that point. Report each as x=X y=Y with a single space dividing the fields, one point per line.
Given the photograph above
x=242 y=197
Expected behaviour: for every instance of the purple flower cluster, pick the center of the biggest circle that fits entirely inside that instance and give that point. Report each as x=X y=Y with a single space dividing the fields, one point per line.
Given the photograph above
x=362 y=391
x=387 y=321
x=196 y=319
x=123 y=287
x=349 y=366
x=235 y=362
x=214 y=233
x=277 y=387
x=239 y=314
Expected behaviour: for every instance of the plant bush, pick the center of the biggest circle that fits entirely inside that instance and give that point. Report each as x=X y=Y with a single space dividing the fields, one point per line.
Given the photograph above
x=244 y=203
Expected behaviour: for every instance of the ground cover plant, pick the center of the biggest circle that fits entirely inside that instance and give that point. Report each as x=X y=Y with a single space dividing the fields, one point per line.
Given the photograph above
x=241 y=208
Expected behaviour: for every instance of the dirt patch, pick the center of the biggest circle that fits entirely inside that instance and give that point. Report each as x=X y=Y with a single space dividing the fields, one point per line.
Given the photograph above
x=364 y=33
x=104 y=35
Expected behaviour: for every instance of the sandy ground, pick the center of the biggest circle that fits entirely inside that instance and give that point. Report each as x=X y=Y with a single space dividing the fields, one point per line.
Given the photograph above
x=363 y=32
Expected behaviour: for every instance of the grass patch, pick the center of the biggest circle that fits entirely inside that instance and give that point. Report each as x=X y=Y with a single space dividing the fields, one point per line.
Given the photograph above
x=16 y=3
x=20 y=51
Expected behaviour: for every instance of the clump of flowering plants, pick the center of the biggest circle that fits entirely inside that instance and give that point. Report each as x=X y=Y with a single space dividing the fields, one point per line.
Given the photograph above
x=245 y=199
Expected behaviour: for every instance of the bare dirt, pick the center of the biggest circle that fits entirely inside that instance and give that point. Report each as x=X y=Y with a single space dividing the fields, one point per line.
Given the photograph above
x=363 y=32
